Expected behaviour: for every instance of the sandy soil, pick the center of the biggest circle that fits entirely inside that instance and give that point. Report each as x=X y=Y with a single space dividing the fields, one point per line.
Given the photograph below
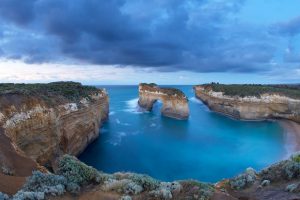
x=291 y=136
x=11 y=184
x=21 y=165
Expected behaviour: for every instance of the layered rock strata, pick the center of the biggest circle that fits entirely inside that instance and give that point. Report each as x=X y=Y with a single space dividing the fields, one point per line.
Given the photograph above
x=267 y=106
x=175 y=103
x=43 y=126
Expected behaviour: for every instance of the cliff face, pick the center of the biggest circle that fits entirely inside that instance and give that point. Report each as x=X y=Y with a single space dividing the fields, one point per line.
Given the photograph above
x=250 y=108
x=175 y=103
x=43 y=130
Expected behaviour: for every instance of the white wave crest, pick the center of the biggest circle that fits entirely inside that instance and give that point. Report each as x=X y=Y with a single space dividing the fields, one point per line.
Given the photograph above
x=112 y=113
x=132 y=106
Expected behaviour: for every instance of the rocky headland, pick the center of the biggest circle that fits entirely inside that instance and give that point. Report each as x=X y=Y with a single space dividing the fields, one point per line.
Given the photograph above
x=252 y=102
x=175 y=103
x=41 y=122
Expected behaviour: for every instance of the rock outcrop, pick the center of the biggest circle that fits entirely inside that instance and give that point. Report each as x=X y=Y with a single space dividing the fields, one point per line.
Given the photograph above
x=267 y=106
x=44 y=121
x=175 y=103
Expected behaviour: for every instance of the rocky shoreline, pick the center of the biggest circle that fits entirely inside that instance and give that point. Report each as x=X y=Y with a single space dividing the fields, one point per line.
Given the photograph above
x=68 y=178
x=265 y=106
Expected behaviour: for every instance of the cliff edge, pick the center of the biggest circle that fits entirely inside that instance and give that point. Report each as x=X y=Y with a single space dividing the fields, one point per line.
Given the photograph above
x=44 y=121
x=175 y=103
x=252 y=102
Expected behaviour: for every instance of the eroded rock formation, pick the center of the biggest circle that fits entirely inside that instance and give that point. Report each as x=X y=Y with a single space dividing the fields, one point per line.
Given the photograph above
x=175 y=103
x=43 y=125
x=266 y=106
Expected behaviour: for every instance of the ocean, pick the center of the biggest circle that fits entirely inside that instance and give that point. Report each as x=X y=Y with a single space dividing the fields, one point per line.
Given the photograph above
x=206 y=147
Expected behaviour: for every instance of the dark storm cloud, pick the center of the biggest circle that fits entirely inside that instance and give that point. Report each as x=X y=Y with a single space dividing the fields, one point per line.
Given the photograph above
x=291 y=27
x=167 y=35
x=20 y=12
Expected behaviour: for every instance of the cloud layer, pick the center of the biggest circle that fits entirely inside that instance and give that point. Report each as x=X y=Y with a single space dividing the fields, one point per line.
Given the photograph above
x=165 y=35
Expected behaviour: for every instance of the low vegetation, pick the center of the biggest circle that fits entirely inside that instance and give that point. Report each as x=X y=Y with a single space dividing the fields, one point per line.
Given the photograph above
x=72 y=91
x=243 y=90
x=198 y=190
x=284 y=170
x=78 y=173
x=166 y=90
x=74 y=175
x=148 y=84
x=3 y=196
x=40 y=184
x=243 y=180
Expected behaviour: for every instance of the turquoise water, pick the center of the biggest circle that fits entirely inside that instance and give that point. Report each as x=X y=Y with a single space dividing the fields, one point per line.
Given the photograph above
x=207 y=147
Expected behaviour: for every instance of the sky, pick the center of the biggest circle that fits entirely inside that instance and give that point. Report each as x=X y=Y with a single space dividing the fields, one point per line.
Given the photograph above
x=162 y=41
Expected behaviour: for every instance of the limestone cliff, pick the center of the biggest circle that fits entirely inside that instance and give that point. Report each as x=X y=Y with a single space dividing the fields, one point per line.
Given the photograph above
x=44 y=121
x=266 y=106
x=175 y=103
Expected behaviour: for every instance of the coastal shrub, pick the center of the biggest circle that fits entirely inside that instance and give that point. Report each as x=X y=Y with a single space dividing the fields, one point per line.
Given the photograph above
x=295 y=188
x=73 y=188
x=124 y=186
x=47 y=183
x=243 y=90
x=22 y=195
x=162 y=194
x=166 y=190
x=265 y=183
x=296 y=157
x=39 y=185
x=5 y=170
x=243 y=180
x=3 y=196
x=126 y=198
x=284 y=170
x=72 y=91
x=148 y=183
x=292 y=170
x=76 y=171
x=197 y=190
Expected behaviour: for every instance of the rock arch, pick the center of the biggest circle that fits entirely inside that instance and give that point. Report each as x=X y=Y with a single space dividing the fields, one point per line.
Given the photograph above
x=175 y=103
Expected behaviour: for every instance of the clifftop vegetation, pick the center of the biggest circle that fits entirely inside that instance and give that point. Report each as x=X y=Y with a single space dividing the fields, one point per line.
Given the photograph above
x=168 y=91
x=71 y=91
x=243 y=90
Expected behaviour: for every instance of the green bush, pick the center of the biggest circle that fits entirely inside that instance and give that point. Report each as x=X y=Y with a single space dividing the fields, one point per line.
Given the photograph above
x=243 y=90
x=203 y=191
x=284 y=170
x=296 y=157
x=243 y=180
x=3 y=196
x=147 y=182
x=76 y=171
x=40 y=184
x=71 y=91
x=22 y=195
x=124 y=186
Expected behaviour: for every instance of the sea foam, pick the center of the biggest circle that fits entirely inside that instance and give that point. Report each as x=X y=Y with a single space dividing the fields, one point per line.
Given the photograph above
x=132 y=106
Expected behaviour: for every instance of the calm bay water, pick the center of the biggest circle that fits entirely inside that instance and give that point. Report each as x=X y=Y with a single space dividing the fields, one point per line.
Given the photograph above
x=207 y=147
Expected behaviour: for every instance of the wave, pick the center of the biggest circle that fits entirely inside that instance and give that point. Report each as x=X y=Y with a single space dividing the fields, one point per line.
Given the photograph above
x=117 y=139
x=132 y=106
x=112 y=113
x=122 y=123
x=152 y=125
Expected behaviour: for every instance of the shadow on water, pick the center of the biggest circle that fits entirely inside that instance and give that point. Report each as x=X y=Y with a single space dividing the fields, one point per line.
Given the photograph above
x=170 y=126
